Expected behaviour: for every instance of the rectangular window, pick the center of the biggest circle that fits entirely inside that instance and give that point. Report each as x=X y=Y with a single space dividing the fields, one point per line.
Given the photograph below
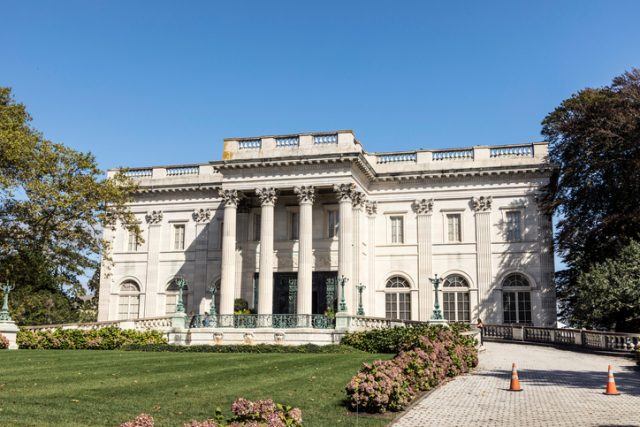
x=294 y=225
x=514 y=220
x=453 y=227
x=397 y=229
x=333 y=222
x=509 y=307
x=256 y=226
x=448 y=306
x=178 y=237
x=132 y=244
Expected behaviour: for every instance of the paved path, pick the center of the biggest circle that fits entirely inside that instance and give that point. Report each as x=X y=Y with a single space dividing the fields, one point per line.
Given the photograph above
x=561 y=388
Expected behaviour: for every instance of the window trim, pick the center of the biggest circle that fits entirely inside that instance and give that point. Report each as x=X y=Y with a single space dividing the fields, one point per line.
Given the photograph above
x=445 y=225
x=389 y=219
x=503 y=211
x=517 y=290
x=174 y=227
x=128 y=294
x=327 y=209
x=395 y=292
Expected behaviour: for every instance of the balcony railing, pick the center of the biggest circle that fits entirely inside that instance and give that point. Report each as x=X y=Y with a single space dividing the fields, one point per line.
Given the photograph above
x=138 y=173
x=292 y=141
x=596 y=340
x=183 y=170
x=466 y=154
x=325 y=139
x=396 y=157
x=249 y=144
x=512 y=151
x=250 y=321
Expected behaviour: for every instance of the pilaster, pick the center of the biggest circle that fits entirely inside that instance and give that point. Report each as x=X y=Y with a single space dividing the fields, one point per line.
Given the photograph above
x=424 y=209
x=482 y=207
x=357 y=202
x=201 y=217
x=372 y=209
x=151 y=306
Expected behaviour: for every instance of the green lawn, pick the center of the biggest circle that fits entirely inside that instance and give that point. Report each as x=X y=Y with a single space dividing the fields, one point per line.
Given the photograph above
x=105 y=388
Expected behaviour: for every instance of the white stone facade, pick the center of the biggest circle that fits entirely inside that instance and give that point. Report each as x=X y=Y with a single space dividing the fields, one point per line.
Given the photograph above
x=310 y=206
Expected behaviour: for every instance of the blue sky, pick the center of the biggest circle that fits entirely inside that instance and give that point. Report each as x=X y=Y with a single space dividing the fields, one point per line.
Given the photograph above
x=157 y=82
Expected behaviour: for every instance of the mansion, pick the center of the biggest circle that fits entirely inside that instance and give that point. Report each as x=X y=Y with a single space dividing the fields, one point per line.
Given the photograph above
x=283 y=224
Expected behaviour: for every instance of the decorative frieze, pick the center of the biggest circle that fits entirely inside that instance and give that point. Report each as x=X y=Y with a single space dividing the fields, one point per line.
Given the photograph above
x=267 y=195
x=201 y=215
x=305 y=193
x=371 y=207
x=358 y=199
x=230 y=197
x=482 y=203
x=154 y=217
x=344 y=192
x=423 y=206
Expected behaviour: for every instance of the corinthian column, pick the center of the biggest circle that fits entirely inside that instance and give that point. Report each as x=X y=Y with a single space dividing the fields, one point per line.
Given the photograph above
x=305 y=257
x=265 y=278
x=423 y=209
x=228 y=273
x=482 y=208
x=372 y=210
x=345 y=234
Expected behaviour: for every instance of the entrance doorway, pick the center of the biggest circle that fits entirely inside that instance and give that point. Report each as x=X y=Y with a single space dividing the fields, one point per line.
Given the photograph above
x=285 y=292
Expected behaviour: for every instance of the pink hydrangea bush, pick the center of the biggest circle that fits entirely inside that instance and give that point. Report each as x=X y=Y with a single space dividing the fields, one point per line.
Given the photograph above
x=4 y=342
x=419 y=366
x=261 y=413
x=142 y=420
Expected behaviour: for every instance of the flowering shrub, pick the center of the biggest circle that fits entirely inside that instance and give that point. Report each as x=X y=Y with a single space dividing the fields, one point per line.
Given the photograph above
x=142 y=420
x=261 y=413
x=4 y=342
x=422 y=363
x=110 y=338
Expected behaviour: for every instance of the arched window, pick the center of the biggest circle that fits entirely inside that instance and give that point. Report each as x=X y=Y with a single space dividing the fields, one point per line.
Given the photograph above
x=171 y=298
x=455 y=299
x=129 y=304
x=516 y=299
x=398 y=299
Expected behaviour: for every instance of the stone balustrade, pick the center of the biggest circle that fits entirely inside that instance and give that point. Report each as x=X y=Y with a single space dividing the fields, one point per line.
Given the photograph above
x=249 y=144
x=512 y=151
x=138 y=173
x=396 y=157
x=183 y=170
x=595 y=340
x=153 y=323
x=445 y=155
x=288 y=141
x=325 y=139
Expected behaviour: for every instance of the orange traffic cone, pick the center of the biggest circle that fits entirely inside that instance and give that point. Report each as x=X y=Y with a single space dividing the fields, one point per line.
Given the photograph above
x=515 y=382
x=611 y=384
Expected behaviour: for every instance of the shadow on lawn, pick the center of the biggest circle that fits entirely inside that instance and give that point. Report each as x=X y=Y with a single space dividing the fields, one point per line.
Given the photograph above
x=627 y=378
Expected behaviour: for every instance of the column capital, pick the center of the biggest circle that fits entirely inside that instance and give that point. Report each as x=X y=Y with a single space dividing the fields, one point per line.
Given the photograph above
x=154 y=217
x=481 y=204
x=201 y=215
x=230 y=197
x=344 y=191
x=371 y=207
x=267 y=195
x=423 y=206
x=358 y=199
x=305 y=193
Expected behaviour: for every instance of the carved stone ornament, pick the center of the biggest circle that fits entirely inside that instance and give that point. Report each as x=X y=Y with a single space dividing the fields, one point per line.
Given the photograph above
x=201 y=215
x=154 y=217
x=267 y=195
x=371 y=207
x=306 y=193
x=481 y=204
x=358 y=199
x=344 y=191
x=230 y=197
x=423 y=207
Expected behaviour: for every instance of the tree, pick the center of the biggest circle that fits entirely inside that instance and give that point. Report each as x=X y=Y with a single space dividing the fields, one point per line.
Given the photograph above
x=53 y=203
x=608 y=295
x=595 y=139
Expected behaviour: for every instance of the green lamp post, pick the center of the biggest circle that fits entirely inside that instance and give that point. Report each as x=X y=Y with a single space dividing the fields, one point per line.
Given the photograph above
x=437 y=314
x=360 y=288
x=181 y=283
x=343 y=305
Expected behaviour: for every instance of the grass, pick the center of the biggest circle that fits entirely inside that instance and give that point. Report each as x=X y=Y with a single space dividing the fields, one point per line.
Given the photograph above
x=106 y=388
